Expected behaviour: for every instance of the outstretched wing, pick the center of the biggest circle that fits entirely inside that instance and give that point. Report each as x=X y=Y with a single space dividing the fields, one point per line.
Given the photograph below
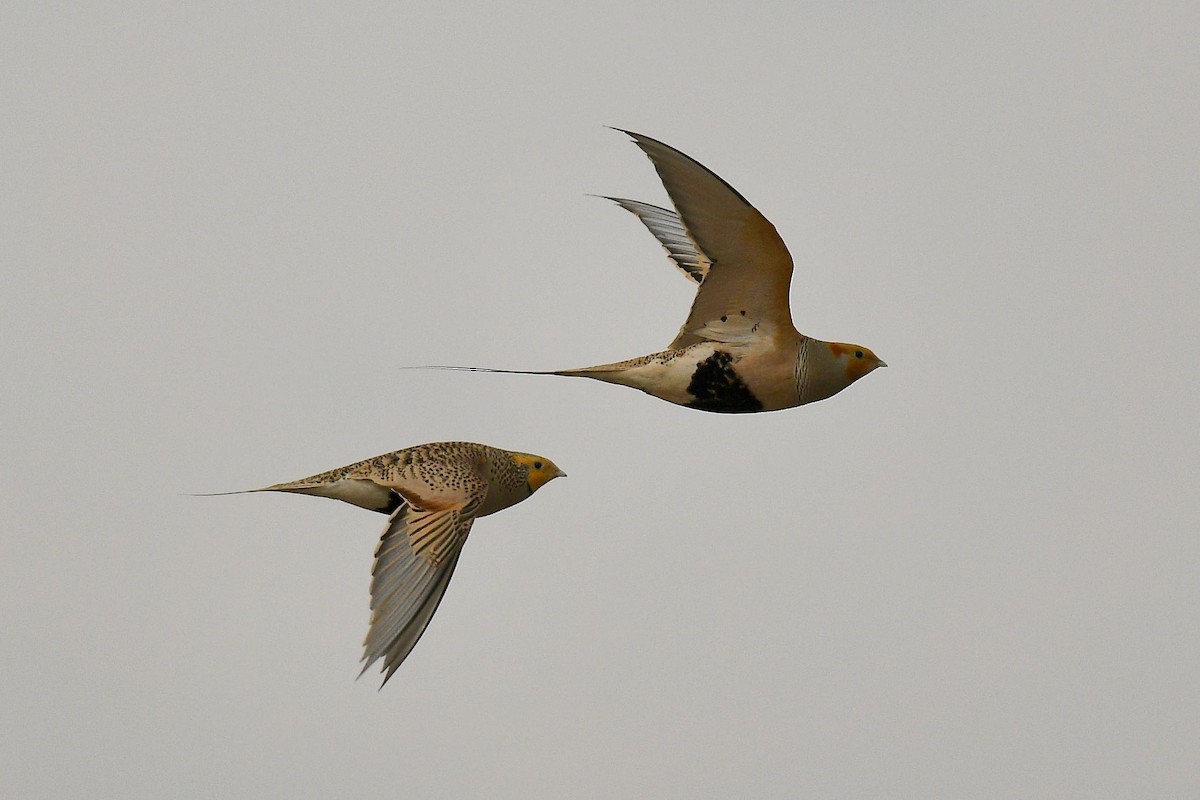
x=413 y=565
x=751 y=270
x=668 y=229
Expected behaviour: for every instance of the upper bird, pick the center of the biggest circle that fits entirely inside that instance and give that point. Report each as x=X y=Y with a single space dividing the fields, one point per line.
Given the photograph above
x=738 y=351
x=433 y=493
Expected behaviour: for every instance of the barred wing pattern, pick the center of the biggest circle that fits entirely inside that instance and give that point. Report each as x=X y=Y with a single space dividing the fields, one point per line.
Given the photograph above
x=750 y=270
x=414 y=562
x=668 y=229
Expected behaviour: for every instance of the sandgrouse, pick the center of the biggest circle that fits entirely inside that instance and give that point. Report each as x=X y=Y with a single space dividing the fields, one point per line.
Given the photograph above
x=738 y=351
x=433 y=493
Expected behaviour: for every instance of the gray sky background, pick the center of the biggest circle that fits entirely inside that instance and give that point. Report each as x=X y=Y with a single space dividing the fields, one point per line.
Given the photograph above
x=972 y=575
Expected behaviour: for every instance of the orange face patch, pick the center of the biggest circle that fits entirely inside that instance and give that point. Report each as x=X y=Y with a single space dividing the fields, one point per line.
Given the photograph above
x=840 y=350
x=859 y=360
x=857 y=367
x=540 y=470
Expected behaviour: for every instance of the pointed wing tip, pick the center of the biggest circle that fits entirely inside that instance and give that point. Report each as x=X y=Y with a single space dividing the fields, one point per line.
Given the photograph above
x=388 y=669
x=631 y=134
x=641 y=139
x=390 y=672
x=623 y=202
x=370 y=663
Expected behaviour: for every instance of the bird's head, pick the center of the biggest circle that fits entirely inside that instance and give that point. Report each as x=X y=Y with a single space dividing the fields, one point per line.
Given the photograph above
x=854 y=359
x=539 y=470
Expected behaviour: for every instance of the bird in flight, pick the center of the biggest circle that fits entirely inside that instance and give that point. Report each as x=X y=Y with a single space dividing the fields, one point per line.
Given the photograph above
x=432 y=493
x=738 y=351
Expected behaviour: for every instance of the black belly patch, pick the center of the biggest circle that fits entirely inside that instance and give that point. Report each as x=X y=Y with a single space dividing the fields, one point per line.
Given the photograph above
x=717 y=387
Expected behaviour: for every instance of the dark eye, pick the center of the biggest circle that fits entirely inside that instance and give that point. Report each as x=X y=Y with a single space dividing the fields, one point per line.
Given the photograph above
x=858 y=353
x=537 y=465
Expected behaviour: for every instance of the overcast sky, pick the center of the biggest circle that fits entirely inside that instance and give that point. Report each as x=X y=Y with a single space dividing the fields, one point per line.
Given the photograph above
x=975 y=574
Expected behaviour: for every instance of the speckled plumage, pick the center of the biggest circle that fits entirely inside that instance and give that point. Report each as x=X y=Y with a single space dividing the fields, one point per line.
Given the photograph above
x=433 y=493
x=738 y=351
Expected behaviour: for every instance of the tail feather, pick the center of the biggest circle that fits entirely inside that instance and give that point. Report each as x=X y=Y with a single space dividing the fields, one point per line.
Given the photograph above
x=363 y=493
x=609 y=373
x=489 y=369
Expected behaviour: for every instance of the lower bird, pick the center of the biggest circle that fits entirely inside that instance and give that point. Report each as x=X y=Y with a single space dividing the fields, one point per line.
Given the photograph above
x=738 y=350
x=433 y=493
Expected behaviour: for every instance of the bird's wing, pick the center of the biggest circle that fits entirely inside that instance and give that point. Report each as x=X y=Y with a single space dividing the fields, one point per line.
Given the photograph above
x=413 y=565
x=751 y=269
x=668 y=229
